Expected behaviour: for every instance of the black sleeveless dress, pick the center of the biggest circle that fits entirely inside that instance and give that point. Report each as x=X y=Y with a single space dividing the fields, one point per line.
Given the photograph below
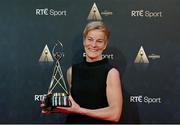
x=89 y=89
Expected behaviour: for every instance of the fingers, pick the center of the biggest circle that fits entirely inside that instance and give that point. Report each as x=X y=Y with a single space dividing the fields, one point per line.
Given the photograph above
x=71 y=98
x=45 y=112
x=42 y=105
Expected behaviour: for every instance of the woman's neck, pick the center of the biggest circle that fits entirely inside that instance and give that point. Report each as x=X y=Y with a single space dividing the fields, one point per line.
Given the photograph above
x=93 y=59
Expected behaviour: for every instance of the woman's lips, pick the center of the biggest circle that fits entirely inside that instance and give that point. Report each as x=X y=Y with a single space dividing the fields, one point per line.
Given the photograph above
x=92 y=50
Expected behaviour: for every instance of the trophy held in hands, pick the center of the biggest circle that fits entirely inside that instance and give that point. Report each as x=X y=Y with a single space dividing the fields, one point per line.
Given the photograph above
x=57 y=92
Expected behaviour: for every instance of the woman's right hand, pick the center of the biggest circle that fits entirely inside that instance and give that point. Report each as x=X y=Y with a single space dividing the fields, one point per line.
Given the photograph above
x=44 y=110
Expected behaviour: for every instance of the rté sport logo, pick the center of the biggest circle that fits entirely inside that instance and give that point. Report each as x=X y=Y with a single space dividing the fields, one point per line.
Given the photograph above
x=148 y=14
x=51 y=12
x=145 y=99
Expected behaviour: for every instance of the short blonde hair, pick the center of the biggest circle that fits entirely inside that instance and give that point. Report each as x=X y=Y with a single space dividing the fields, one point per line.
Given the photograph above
x=96 y=25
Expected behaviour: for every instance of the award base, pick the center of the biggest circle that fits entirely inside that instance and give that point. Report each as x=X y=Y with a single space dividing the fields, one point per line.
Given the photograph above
x=54 y=100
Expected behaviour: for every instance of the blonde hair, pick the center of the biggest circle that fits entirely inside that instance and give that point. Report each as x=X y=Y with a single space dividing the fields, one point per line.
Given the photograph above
x=96 y=25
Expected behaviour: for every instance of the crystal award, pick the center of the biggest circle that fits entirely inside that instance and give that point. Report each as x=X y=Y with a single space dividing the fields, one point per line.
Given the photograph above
x=58 y=92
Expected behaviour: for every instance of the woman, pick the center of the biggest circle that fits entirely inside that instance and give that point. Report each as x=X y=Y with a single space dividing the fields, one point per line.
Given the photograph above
x=96 y=94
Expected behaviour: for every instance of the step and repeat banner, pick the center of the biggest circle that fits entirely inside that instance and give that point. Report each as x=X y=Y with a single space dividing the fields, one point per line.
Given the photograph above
x=144 y=46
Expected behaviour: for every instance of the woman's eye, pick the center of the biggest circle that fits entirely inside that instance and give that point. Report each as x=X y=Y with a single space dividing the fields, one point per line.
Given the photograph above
x=90 y=39
x=99 y=41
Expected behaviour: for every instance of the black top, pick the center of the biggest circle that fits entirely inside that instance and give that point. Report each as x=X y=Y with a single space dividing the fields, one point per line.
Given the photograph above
x=89 y=88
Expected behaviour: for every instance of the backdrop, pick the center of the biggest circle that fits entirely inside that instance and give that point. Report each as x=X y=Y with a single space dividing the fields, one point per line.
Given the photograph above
x=144 y=46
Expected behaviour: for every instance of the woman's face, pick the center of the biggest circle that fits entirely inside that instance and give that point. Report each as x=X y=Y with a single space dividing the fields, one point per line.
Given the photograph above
x=94 y=44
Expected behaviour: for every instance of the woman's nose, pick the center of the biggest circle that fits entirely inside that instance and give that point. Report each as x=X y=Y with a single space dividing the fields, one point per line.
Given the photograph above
x=94 y=43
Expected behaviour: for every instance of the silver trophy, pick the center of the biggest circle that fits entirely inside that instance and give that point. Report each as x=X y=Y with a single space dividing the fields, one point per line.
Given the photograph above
x=58 y=92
